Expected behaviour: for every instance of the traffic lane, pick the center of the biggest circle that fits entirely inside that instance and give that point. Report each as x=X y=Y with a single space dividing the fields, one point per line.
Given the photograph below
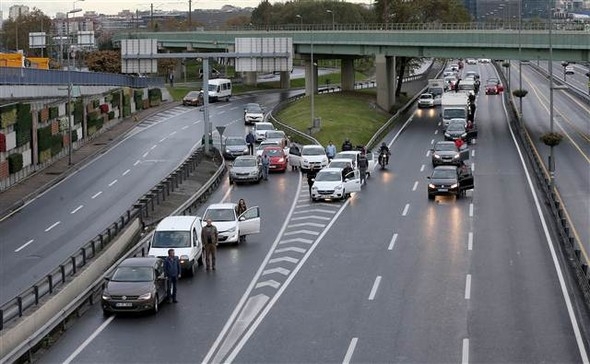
x=56 y=232
x=205 y=301
x=515 y=295
x=338 y=296
x=579 y=79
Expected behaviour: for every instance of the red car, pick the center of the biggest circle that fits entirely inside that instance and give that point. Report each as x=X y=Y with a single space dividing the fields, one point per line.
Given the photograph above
x=493 y=86
x=278 y=158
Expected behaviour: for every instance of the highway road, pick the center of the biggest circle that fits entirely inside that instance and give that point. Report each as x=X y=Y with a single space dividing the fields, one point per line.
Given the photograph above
x=572 y=155
x=386 y=276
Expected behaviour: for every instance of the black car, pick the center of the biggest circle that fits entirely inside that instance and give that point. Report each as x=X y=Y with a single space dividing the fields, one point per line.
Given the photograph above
x=136 y=285
x=450 y=180
x=446 y=153
x=458 y=131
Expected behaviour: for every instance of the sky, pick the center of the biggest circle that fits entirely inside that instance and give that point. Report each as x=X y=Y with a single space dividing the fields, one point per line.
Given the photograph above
x=50 y=7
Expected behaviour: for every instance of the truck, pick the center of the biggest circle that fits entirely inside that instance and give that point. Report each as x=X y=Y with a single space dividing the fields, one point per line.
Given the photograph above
x=436 y=87
x=454 y=106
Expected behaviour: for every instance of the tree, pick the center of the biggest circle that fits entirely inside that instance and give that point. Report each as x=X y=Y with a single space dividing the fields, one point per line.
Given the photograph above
x=237 y=21
x=104 y=61
x=15 y=32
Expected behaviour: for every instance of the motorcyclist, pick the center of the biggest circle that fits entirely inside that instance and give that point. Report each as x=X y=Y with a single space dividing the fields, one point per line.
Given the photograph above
x=384 y=149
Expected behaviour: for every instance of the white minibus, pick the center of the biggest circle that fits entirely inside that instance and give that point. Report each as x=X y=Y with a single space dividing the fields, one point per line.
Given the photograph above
x=219 y=88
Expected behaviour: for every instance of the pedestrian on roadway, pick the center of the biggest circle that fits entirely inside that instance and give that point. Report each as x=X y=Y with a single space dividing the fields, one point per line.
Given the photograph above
x=311 y=173
x=240 y=209
x=330 y=151
x=363 y=165
x=172 y=271
x=265 y=166
x=347 y=145
x=209 y=237
x=250 y=140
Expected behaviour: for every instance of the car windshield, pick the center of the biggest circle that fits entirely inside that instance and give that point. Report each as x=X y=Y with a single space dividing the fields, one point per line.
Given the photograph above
x=133 y=274
x=171 y=239
x=245 y=162
x=274 y=135
x=455 y=127
x=446 y=147
x=339 y=164
x=444 y=174
x=264 y=127
x=329 y=176
x=220 y=214
x=235 y=141
x=345 y=156
x=272 y=152
x=313 y=151
x=454 y=113
x=192 y=94
x=253 y=109
x=426 y=96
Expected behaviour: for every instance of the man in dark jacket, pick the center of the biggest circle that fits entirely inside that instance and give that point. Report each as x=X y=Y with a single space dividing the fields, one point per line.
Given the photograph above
x=209 y=237
x=310 y=178
x=346 y=171
x=250 y=140
x=363 y=165
x=347 y=145
x=172 y=272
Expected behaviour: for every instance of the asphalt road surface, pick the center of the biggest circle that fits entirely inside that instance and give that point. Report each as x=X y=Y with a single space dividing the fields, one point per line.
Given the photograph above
x=386 y=276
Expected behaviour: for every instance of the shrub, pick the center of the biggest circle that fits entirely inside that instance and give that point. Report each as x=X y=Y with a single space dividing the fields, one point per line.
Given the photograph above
x=520 y=93
x=15 y=163
x=111 y=115
x=95 y=104
x=78 y=111
x=53 y=112
x=24 y=124
x=551 y=139
x=116 y=99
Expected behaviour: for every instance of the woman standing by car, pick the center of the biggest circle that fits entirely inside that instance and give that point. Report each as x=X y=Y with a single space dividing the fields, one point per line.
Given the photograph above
x=240 y=209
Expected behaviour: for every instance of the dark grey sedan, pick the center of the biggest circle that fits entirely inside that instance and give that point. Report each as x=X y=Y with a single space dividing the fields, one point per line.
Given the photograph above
x=445 y=153
x=136 y=285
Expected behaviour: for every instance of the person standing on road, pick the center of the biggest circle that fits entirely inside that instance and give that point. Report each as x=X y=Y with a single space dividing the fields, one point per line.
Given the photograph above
x=209 y=237
x=241 y=207
x=311 y=173
x=250 y=140
x=265 y=166
x=330 y=151
x=363 y=164
x=172 y=272
x=347 y=145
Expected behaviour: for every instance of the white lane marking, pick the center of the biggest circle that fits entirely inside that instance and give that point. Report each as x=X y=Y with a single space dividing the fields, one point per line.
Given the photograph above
x=422 y=168
x=375 y=288
x=112 y=183
x=23 y=246
x=76 y=209
x=350 y=350
x=415 y=186
x=310 y=217
x=161 y=140
x=196 y=122
x=145 y=154
x=468 y=287
x=432 y=141
x=171 y=134
x=473 y=167
x=283 y=259
x=470 y=241
x=306 y=224
x=465 y=352
x=52 y=226
x=436 y=132
x=405 y=212
x=136 y=163
x=227 y=193
x=184 y=127
x=153 y=147
x=392 y=242
x=125 y=173
x=221 y=112
x=89 y=340
x=471 y=210
x=549 y=240
x=279 y=270
x=428 y=154
x=97 y=194
x=473 y=152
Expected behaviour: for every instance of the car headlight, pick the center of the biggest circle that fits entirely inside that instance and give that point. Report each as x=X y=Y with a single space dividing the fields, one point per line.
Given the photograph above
x=457 y=156
x=454 y=185
x=184 y=258
x=430 y=185
x=282 y=160
x=106 y=295
x=436 y=156
x=305 y=161
x=253 y=173
x=338 y=188
x=231 y=230
x=245 y=150
x=228 y=151
x=145 y=296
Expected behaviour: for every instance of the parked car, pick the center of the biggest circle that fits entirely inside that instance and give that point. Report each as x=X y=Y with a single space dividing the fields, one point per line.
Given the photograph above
x=454 y=67
x=329 y=184
x=340 y=163
x=193 y=98
x=278 y=158
x=245 y=168
x=449 y=180
x=426 y=100
x=278 y=135
x=231 y=228
x=260 y=130
x=445 y=152
x=569 y=70
x=136 y=285
x=312 y=156
x=484 y=60
x=234 y=147
x=352 y=156
x=253 y=113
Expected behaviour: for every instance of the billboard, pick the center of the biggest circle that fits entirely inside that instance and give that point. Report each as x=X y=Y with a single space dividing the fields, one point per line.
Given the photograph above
x=255 y=54
x=143 y=47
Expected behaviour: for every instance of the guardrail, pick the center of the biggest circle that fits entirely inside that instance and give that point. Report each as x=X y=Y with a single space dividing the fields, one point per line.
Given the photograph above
x=567 y=241
x=139 y=210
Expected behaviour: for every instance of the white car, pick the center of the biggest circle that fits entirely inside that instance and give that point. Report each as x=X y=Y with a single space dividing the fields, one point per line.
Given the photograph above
x=426 y=100
x=230 y=226
x=329 y=184
x=484 y=60
x=569 y=70
x=253 y=113
x=260 y=130
x=340 y=163
x=471 y=61
x=312 y=156
x=352 y=156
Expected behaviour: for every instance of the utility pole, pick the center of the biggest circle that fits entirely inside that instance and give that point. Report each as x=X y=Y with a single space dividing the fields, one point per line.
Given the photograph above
x=152 y=16
x=190 y=12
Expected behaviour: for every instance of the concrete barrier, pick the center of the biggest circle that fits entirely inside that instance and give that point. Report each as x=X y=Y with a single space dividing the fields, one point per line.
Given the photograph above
x=17 y=340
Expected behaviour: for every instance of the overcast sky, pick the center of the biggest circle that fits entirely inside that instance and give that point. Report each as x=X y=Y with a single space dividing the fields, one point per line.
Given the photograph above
x=50 y=7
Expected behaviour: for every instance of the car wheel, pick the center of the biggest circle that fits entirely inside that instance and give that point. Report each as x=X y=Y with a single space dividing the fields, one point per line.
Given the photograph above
x=156 y=304
x=430 y=197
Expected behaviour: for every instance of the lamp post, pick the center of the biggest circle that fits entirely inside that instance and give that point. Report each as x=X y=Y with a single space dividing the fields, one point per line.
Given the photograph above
x=69 y=108
x=333 y=24
x=312 y=75
x=551 y=155
x=520 y=57
x=300 y=20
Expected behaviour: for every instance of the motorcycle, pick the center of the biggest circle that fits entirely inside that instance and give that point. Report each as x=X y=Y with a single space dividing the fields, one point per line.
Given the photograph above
x=383 y=159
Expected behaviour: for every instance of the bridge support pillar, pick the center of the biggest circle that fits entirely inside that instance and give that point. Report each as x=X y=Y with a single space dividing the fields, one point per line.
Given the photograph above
x=250 y=78
x=347 y=72
x=308 y=72
x=385 y=75
x=285 y=81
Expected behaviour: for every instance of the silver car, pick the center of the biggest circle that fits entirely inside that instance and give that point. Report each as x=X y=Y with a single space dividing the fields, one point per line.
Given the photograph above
x=245 y=168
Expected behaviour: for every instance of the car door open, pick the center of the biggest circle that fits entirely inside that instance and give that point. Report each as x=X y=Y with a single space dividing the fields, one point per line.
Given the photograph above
x=249 y=221
x=352 y=181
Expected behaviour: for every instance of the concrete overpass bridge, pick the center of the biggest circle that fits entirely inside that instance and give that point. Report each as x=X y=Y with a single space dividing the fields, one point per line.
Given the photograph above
x=388 y=41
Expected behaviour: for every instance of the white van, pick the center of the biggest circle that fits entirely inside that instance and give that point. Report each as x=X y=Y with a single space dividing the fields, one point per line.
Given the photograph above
x=183 y=234
x=219 y=88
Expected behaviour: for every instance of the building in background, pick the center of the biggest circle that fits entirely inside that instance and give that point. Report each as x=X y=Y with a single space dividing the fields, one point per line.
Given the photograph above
x=17 y=10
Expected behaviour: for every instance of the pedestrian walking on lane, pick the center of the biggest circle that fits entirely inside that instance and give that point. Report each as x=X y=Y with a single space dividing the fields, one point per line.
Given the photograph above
x=330 y=151
x=363 y=164
x=172 y=272
x=209 y=238
x=265 y=166
x=250 y=140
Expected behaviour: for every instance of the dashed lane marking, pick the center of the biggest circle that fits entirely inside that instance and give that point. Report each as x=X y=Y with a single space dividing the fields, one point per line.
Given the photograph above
x=23 y=246
x=295 y=232
x=375 y=288
x=76 y=209
x=310 y=224
x=112 y=183
x=350 y=350
x=126 y=172
x=415 y=186
x=392 y=242
x=52 y=226
x=406 y=208
x=291 y=249
x=96 y=195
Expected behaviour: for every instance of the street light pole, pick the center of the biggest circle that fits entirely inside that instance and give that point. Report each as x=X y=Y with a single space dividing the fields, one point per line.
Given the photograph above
x=551 y=155
x=312 y=75
x=69 y=107
x=520 y=57
x=333 y=24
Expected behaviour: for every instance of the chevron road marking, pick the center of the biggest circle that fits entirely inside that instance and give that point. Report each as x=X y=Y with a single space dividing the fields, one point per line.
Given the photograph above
x=270 y=283
x=296 y=240
x=301 y=232
x=284 y=259
x=311 y=224
x=310 y=217
x=279 y=270
x=291 y=249
x=315 y=210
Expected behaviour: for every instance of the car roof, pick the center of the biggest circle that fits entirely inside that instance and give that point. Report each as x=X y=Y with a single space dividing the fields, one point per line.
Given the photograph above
x=340 y=160
x=139 y=262
x=443 y=142
x=177 y=223
x=219 y=206
x=246 y=157
x=309 y=146
x=452 y=168
x=275 y=147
